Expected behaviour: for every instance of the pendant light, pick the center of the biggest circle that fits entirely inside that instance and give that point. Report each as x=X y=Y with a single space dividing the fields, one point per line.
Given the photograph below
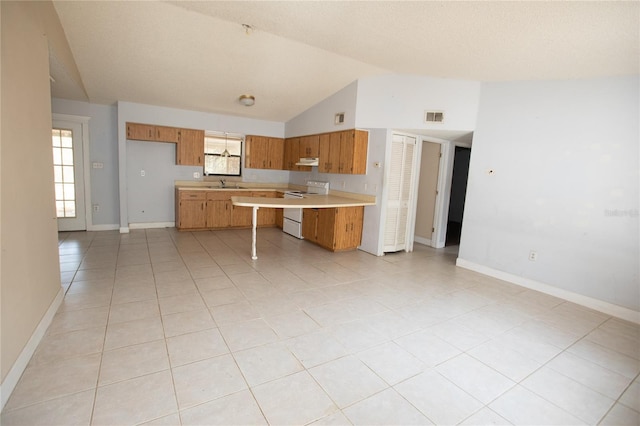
x=225 y=153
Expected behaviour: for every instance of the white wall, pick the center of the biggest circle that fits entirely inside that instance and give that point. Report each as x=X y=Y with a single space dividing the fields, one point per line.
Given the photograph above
x=565 y=184
x=399 y=102
x=320 y=118
x=103 y=148
x=150 y=199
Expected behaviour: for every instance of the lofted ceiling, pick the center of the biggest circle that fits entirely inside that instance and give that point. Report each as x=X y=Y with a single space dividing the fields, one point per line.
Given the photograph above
x=198 y=56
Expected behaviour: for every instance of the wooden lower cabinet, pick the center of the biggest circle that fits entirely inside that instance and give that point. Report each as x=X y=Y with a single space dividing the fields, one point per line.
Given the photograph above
x=310 y=225
x=218 y=210
x=190 y=210
x=214 y=210
x=336 y=229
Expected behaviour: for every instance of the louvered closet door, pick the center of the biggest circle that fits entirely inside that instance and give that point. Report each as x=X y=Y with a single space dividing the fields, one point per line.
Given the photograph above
x=399 y=192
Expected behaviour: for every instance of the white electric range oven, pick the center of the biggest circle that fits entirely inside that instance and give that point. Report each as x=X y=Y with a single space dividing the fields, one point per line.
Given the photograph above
x=292 y=218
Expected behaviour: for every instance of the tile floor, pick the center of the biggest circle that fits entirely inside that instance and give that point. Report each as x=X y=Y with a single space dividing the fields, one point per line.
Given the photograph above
x=165 y=328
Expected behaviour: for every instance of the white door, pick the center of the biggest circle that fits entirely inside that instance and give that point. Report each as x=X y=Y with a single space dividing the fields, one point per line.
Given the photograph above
x=68 y=170
x=399 y=192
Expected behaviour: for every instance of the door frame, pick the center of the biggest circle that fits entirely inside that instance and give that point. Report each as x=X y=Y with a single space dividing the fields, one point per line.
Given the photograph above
x=86 y=170
x=413 y=197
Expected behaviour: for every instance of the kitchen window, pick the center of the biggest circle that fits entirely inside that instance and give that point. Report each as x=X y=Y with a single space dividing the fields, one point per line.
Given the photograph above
x=222 y=154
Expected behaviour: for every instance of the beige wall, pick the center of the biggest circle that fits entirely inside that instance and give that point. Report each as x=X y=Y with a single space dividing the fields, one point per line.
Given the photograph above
x=29 y=273
x=427 y=186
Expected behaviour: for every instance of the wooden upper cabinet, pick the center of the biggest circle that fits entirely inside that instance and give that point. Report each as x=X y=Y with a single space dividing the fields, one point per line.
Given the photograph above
x=167 y=134
x=262 y=152
x=292 y=155
x=141 y=132
x=190 y=149
x=329 y=153
x=309 y=146
x=343 y=152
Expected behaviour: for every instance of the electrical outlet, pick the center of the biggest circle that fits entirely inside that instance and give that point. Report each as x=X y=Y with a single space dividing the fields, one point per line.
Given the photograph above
x=533 y=255
x=196 y=175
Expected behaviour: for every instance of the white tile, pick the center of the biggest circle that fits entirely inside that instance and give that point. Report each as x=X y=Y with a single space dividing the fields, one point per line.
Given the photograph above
x=486 y=416
x=347 y=380
x=618 y=342
x=430 y=349
x=392 y=363
x=316 y=348
x=133 y=361
x=505 y=360
x=134 y=311
x=182 y=303
x=187 y=348
x=482 y=382
x=292 y=324
x=234 y=312
x=357 y=335
x=621 y=415
x=337 y=418
x=187 y=322
x=631 y=397
x=523 y=407
x=247 y=334
x=237 y=409
x=67 y=321
x=266 y=363
x=385 y=408
x=207 y=380
x=458 y=335
x=605 y=381
x=66 y=345
x=133 y=332
x=579 y=400
x=295 y=399
x=135 y=400
x=620 y=363
x=72 y=409
x=437 y=398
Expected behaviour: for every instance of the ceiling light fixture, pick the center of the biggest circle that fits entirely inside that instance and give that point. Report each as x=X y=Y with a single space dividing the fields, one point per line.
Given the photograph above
x=247 y=100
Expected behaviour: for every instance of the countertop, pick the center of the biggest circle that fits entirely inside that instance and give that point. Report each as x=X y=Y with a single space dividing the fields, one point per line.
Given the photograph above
x=309 y=201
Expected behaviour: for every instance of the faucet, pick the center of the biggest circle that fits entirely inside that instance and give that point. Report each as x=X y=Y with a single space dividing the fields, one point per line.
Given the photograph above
x=223 y=183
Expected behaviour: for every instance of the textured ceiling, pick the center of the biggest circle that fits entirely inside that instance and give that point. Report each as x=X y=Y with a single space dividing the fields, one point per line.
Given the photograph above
x=197 y=55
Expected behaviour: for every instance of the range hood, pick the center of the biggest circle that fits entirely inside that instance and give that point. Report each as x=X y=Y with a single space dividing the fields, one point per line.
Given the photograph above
x=308 y=161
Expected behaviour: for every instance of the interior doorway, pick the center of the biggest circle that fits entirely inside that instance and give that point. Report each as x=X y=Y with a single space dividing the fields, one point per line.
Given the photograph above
x=70 y=154
x=461 y=160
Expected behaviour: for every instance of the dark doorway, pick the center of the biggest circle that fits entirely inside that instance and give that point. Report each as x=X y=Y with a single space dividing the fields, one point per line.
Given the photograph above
x=458 y=192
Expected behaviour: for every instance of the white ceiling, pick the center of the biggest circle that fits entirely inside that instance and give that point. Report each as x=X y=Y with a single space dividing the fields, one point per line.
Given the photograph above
x=197 y=56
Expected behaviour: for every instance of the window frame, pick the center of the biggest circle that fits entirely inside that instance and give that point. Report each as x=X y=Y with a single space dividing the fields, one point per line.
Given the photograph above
x=230 y=137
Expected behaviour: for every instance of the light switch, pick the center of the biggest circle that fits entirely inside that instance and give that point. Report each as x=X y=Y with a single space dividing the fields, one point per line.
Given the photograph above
x=97 y=165
x=142 y=173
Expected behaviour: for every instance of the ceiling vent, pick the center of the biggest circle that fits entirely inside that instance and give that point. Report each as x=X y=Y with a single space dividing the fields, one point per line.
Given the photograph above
x=434 y=116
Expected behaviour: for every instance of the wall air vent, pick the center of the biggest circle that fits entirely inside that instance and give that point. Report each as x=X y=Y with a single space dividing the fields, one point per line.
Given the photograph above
x=434 y=116
x=339 y=118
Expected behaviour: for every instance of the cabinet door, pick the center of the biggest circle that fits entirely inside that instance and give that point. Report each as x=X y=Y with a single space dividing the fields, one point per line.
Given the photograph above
x=326 y=227
x=275 y=155
x=191 y=210
x=141 y=132
x=309 y=146
x=348 y=229
x=167 y=134
x=359 y=152
x=347 y=140
x=266 y=216
x=324 y=153
x=190 y=150
x=256 y=152
x=310 y=225
x=218 y=210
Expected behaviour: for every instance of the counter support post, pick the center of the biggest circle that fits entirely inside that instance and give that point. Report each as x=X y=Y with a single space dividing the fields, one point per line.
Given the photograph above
x=254 y=225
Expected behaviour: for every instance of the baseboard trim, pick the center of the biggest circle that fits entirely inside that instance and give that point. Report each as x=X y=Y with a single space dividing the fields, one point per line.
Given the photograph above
x=422 y=240
x=112 y=227
x=151 y=225
x=12 y=378
x=124 y=229
x=586 y=301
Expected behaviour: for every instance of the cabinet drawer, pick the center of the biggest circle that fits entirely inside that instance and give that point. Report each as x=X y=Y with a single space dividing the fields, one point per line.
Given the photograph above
x=218 y=195
x=193 y=195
